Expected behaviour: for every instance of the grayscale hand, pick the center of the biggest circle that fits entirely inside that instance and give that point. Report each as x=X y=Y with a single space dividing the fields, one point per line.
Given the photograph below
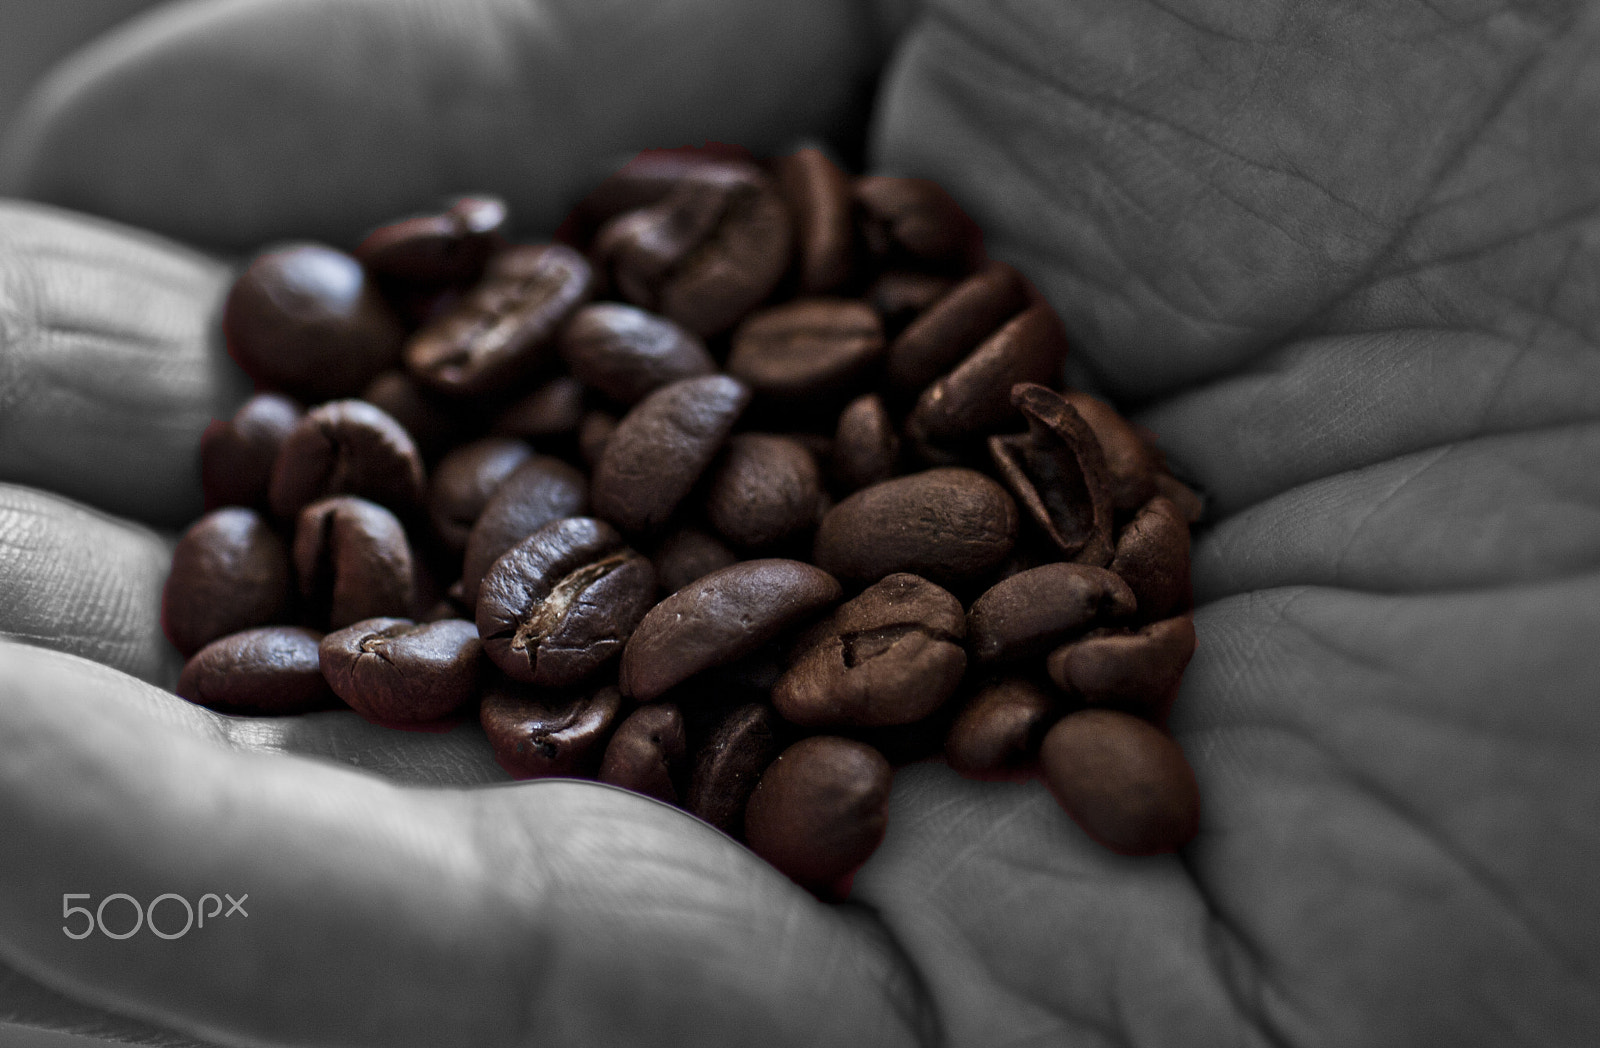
x=1343 y=257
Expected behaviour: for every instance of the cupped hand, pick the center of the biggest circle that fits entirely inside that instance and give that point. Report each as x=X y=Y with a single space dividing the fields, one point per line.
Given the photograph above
x=1343 y=257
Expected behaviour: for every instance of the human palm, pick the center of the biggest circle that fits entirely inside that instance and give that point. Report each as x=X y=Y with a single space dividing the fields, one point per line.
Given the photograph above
x=1343 y=258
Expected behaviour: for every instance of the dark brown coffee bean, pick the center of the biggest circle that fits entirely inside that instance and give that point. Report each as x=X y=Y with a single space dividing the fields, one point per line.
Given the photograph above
x=661 y=447
x=448 y=248
x=306 y=319
x=1131 y=462
x=821 y=809
x=267 y=670
x=900 y=295
x=563 y=601
x=914 y=219
x=720 y=617
x=892 y=655
x=997 y=734
x=952 y=526
x=1191 y=505
x=347 y=447
x=688 y=554
x=540 y=490
x=1123 y=780
x=729 y=763
x=464 y=482
x=819 y=197
x=594 y=432
x=229 y=572
x=500 y=332
x=975 y=399
x=812 y=348
x=1138 y=670
x=951 y=328
x=433 y=426
x=236 y=456
x=353 y=562
x=704 y=255
x=647 y=178
x=865 y=447
x=550 y=409
x=646 y=754
x=764 y=489
x=1153 y=559
x=626 y=353
x=1035 y=610
x=399 y=670
x=538 y=733
x=1058 y=473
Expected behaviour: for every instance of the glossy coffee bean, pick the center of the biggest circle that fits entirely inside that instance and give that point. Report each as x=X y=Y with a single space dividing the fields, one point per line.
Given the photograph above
x=1152 y=556
x=563 y=601
x=890 y=656
x=626 y=353
x=914 y=219
x=465 y=480
x=305 y=319
x=647 y=178
x=504 y=327
x=353 y=562
x=347 y=447
x=236 y=456
x=688 y=554
x=1131 y=463
x=230 y=571
x=819 y=196
x=538 y=733
x=719 y=618
x=646 y=755
x=821 y=809
x=947 y=330
x=550 y=409
x=764 y=489
x=446 y=248
x=899 y=296
x=661 y=447
x=538 y=491
x=812 y=348
x=998 y=733
x=1123 y=780
x=729 y=763
x=1138 y=669
x=949 y=525
x=399 y=670
x=1033 y=611
x=974 y=400
x=1058 y=472
x=432 y=424
x=266 y=670
x=865 y=445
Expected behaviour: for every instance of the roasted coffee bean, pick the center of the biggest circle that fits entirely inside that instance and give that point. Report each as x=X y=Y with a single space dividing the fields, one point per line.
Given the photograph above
x=540 y=490
x=267 y=670
x=952 y=526
x=820 y=810
x=729 y=763
x=229 y=572
x=448 y=248
x=236 y=456
x=1123 y=780
x=353 y=562
x=646 y=754
x=997 y=734
x=1191 y=505
x=1153 y=559
x=538 y=733
x=1035 y=610
x=955 y=325
x=550 y=409
x=661 y=447
x=899 y=296
x=914 y=219
x=974 y=400
x=563 y=601
x=647 y=178
x=1139 y=669
x=688 y=554
x=1058 y=473
x=819 y=197
x=306 y=319
x=347 y=447
x=865 y=447
x=1131 y=462
x=399 y=670
x=720 y=617
x=705 y=254
x=433 y=426
x=594 y=432
x=464 y=482
x=812 y=349
x=764 y=489
x=626 y=353
x=501 y=331
x=892 y=655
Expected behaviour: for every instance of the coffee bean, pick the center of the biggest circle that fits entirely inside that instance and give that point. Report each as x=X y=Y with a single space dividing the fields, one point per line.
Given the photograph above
x=266 y=670
x=399 y=670
x=892 y=655
x=501 y=331
x=1058 y=473
x=1035 y=610
x=1139 y=669
x=353 y=562
x=432 y=425
x=649 y=177
x=1191 y=504
x=550 y=409
x=899 y=296
x=812 y=349
x=1123 y=780
x=950 y=525
x=594 y=432
x=540 y=490
x=915 y=220
x=718 y=618
x=563 y=601
x=952 y=327
x=997 y=734
x=347 y=447
x=1131 y=463
x=765 y=489
x=626 y=353
x=229 y=572
x=647 y=752
x=1153 y=558
x=661 y=447
x=819 y=197
x=729 y=763
x=820 y=810
x=538 y=733
x=448 y=248
x=865 y=446
x=305 y=319
x=236 y=456
x=688 y=554
x=464 y=482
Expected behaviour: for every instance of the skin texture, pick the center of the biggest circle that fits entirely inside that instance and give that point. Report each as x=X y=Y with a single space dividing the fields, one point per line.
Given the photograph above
x=1366 y=328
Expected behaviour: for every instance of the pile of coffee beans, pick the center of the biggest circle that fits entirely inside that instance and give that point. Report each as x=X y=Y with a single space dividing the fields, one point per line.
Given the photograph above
x=758 y=482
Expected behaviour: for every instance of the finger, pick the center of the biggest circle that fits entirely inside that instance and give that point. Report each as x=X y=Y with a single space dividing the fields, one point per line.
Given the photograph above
x=40 y=32
x=235 y=122
x=378 y=915
x=110 y=362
